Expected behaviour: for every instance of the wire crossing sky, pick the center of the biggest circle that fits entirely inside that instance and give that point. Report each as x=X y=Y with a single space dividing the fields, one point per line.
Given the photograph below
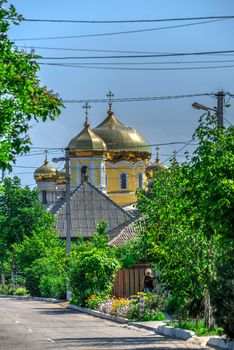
x=142 y=51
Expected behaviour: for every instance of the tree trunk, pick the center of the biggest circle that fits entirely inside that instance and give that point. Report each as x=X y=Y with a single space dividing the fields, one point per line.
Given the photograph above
x=208 y=312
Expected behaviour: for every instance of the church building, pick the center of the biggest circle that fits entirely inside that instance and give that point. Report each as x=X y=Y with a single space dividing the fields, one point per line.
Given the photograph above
x=112 y=156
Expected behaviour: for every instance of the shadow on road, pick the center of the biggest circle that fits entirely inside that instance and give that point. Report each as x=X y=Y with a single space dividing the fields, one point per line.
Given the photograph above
x=55 y=311
x=138 y=343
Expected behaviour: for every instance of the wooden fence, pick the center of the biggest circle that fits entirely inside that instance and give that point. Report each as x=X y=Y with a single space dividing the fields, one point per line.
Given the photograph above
x=128 y=281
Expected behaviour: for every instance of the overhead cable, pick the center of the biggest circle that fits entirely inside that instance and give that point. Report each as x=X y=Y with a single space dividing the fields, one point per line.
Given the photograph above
x=195 y=53
x=136 y=68
x=133 y=99
x=118 y=33
x=126 y=20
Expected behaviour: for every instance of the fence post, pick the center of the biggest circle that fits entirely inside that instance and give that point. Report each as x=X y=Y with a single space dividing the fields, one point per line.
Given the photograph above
x=142 y=305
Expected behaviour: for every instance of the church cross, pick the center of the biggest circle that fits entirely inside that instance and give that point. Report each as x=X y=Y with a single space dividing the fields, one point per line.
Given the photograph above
x=86 y=107
x=157 y=155
x=109 y=96
x=46 y=154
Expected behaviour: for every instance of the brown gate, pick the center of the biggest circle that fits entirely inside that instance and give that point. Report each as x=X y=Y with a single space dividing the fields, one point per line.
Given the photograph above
x=128 y=281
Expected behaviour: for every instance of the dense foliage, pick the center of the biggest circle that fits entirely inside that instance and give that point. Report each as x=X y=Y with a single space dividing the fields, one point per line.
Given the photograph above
x=22 y=97
x=20 y=215
x=92 y=266
x=188 y=212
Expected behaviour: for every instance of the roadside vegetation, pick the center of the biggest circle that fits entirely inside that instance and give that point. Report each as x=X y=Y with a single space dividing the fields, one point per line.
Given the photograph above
x=187 y=232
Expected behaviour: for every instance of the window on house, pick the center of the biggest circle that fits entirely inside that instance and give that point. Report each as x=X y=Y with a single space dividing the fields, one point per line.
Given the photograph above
x=84 y=173
x=140 y=180
x=44 y=197
x=123 y=181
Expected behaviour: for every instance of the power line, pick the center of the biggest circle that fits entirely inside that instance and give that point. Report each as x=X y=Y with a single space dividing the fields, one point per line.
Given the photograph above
x=175 y=54
x=136 y=68
x=91 y=50
x=145 y=63
x=118 y=33
x=133 y=99
x=99 y=50
x=127 y=21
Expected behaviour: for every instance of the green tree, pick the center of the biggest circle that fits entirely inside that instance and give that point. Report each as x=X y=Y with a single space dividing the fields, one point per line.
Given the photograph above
x=22 y=97
x=92 y=266
x=40 y=260
x=21 y=214
x=189 y=216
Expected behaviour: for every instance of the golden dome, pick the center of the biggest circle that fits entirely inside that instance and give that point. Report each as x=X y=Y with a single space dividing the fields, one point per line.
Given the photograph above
x=61 y=180
x=45 y=172
x=123 y=142
x=86 y=143
x=152 y=168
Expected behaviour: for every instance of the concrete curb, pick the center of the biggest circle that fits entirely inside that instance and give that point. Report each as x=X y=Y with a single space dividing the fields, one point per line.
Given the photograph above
x=99 y=314
x=220 y=343
x=162 y=329
x=21 y=297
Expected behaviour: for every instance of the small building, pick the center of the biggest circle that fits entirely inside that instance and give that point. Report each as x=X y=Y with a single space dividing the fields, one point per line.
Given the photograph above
x=90 y=206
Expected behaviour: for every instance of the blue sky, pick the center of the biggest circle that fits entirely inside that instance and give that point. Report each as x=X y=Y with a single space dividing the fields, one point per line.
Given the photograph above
x=159 y=121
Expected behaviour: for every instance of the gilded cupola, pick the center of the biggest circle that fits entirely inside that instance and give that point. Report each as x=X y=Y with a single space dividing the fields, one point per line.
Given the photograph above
x=61 y=180
x=45 y=172
x=122 y=142
x=87 y=143
x=155 y=167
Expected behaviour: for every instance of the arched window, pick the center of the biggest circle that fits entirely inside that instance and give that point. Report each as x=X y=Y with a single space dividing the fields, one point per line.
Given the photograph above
x=106 y=181
x=44 y=197
x=84 y=173
x=123 y=181
x=140 y=180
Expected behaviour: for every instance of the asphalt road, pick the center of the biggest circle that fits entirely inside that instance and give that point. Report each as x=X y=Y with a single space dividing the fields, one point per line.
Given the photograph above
x=33 y=325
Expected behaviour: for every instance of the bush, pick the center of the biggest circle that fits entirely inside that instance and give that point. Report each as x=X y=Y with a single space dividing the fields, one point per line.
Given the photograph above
x=198 y=327
x=177 y=306
x=153 y=301
x=6 y=289
x=21 y=291
x=94 y=301
x=53 y=286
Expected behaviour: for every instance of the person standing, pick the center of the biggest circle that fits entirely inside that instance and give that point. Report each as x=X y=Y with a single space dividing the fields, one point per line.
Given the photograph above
x=148 y=281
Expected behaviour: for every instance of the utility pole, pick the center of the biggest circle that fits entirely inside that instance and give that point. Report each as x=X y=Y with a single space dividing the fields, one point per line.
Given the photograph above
x=220 y=103
x=218 y=110
x=68 y=206
x=68 y=203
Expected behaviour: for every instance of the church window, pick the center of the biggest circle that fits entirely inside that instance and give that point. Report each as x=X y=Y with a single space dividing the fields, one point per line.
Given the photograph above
x=106 y=180
x=140 y=180
x=44 y=197
x=123 y=181
x=84 y=173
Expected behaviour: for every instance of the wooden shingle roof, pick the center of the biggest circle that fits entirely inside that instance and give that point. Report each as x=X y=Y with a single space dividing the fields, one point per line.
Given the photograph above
x=89 y=206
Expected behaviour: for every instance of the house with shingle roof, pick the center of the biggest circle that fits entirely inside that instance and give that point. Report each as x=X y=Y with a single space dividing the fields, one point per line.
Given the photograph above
x=90 y=206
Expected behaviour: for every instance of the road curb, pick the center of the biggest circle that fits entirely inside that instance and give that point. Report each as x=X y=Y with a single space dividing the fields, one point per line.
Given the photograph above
x=220 y=343
x=162 y=329
x=99 y=314
x=21 y=297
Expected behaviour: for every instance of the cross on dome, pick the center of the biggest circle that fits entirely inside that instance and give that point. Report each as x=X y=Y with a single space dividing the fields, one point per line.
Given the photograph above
x=86 y=107
x=46 y=154
x=157 y=154
x=110 y=95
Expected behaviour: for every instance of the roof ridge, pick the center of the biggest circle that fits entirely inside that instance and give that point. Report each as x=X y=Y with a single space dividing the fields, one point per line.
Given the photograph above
x=63 y=201
x=108 y=198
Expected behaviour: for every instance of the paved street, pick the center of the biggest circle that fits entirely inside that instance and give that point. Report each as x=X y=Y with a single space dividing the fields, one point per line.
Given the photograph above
x=37 y=325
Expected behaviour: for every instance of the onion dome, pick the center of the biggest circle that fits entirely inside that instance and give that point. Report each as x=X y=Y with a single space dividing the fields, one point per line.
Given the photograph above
x=61 y=180
x=123 y=142
x=155 y=167
x=45 y=172
x=87 y=143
